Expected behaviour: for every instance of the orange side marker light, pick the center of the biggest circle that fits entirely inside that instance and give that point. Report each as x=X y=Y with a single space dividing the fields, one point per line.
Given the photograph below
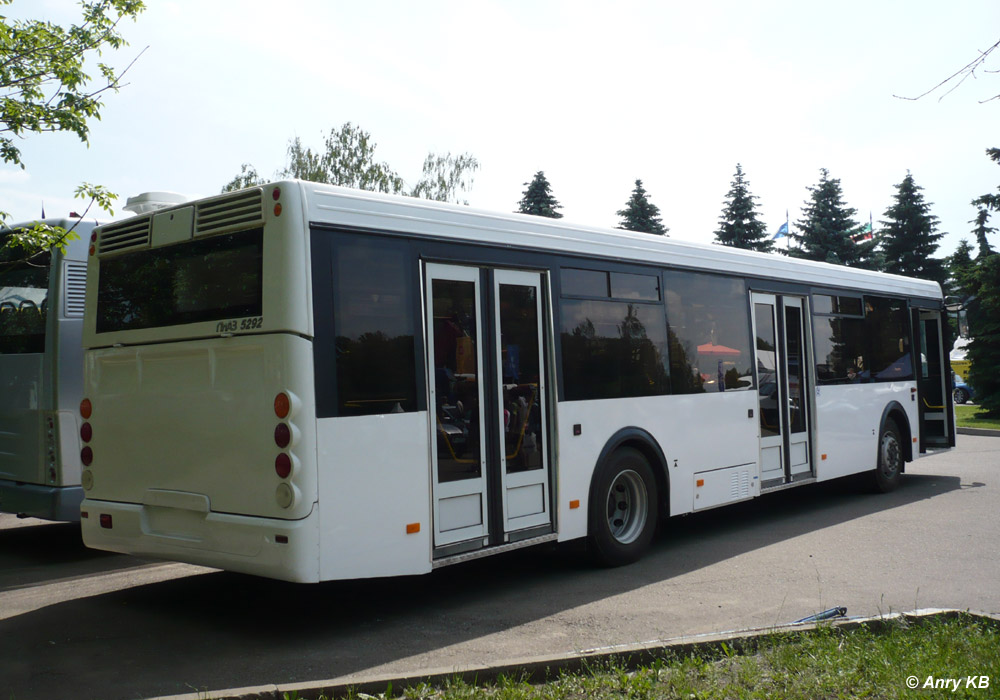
x=700 y=482
x=574 y=504
x=412 y=528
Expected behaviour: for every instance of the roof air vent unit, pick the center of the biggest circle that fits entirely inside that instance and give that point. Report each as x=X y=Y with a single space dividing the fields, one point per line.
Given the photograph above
x=152 y=201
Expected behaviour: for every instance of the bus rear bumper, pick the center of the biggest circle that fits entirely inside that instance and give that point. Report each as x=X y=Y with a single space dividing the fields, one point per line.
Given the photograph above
x=40 y=501
x=280 y=549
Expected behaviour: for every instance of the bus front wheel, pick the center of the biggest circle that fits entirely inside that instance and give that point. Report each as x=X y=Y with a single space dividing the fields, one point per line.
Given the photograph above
x=623 y=508
x=889 y=470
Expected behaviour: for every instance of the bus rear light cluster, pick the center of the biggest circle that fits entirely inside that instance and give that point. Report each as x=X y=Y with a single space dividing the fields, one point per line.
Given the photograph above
x=285 y=434
x=276 y=195
x=87 y=452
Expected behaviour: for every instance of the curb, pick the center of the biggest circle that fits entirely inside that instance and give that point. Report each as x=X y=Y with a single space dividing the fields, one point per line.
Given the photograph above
x=978 y=431
x=539 y=668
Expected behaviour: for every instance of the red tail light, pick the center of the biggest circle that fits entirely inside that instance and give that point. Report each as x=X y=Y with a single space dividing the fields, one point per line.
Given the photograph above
x=86 y=432
x=106 y=521
x=283 y=465
x=282 y=435
x=86 y=456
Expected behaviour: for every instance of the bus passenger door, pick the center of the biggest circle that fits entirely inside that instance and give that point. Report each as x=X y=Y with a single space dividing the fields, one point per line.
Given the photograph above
x=454 y=352
x=779 y=324
x=933 y=385
x=521 y=389
x=487 y=383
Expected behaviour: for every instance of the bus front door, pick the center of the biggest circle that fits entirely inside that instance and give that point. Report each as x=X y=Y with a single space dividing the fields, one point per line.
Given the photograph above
x=487 y=383
x=783 y=399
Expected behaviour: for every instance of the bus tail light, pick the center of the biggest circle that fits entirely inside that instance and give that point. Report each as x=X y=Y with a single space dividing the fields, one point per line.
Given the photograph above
x=86 y=409
x=86 y=456
x=282 y=405
x=106 y=521
x=282 y=435
x=86 y=432
x=283 y=465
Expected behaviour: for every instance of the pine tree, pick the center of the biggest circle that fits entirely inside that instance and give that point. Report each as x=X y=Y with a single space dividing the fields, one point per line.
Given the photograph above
x=738 y=224
x=538 y=199
x=984 y=350
x=909 y=238
x=640 y=214
x=961 y=271
x=829 y=232
x=982 y=230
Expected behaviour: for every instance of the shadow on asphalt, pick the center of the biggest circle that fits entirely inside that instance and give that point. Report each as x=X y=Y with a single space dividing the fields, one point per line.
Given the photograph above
x=29 y=553
x=223 y=630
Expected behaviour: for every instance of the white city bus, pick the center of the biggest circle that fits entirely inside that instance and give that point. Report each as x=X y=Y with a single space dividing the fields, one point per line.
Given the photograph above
x=309 y=383
x=41 y=379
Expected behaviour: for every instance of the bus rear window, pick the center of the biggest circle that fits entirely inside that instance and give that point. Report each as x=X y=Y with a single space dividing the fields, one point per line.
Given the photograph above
x=24 y=292
x=207 y=279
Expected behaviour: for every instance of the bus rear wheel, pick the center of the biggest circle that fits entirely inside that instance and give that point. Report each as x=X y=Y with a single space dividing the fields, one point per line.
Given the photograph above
x=889 y=470
x=623 y=508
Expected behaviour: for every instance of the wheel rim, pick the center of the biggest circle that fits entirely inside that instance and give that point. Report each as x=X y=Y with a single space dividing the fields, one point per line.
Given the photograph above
x=892 y=456
x=960 y=396
x=628 y=506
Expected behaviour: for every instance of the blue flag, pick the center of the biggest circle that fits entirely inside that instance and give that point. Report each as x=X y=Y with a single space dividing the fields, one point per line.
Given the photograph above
x=782 y=232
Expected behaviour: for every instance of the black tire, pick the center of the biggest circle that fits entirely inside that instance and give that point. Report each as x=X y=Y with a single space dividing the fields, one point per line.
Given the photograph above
x=960 y=395
x=623 y=508
x=889 y=468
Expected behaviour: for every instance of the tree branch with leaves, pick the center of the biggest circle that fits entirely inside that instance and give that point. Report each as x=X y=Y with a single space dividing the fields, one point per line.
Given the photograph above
x=45 y=88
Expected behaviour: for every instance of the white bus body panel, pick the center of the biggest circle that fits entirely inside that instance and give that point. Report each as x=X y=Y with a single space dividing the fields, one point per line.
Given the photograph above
x=848 y=417
x=175 y=464
x=374 y=483
x=697 y=433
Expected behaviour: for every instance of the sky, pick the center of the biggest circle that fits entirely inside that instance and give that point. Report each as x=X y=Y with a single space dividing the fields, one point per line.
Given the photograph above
x=595 y=94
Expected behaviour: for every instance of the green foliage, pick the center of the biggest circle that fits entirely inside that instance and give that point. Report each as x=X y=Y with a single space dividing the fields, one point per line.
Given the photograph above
x=445 y=176
x=738 y=224
x=984 y=322
x=909 y=238
x=347 y=159
x=25 y=243
x=45 y=87
x=961 y=271
x=981 y=229
x=829 y=232
x=248 y=177
x=640 y=214
x=989 y=200
x=538 y=199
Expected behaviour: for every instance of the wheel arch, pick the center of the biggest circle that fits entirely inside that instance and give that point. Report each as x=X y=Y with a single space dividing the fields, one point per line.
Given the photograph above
x=894 y=411
x=645 y=443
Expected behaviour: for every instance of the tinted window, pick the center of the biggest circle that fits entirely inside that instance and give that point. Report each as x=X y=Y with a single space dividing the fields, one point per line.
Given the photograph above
x=24 y=292
x=583 y=283
x=374 y=322
x=612 y=349
x=840 y=350
x=629 y=286
x=206 y=279
x=709 y=333
x=889 y=356
x=825 y=304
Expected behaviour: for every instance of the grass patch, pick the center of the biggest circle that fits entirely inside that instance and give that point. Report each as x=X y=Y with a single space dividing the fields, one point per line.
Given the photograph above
x=867 y=662
x=970 y=417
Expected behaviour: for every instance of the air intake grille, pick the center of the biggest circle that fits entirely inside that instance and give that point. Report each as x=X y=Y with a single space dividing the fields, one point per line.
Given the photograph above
x=129 y=234
x=231 y=212
x=76 y=289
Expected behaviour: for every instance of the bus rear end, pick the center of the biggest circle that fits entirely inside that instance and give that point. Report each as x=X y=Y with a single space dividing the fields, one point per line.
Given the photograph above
x=198 y=419
x=41 y=312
